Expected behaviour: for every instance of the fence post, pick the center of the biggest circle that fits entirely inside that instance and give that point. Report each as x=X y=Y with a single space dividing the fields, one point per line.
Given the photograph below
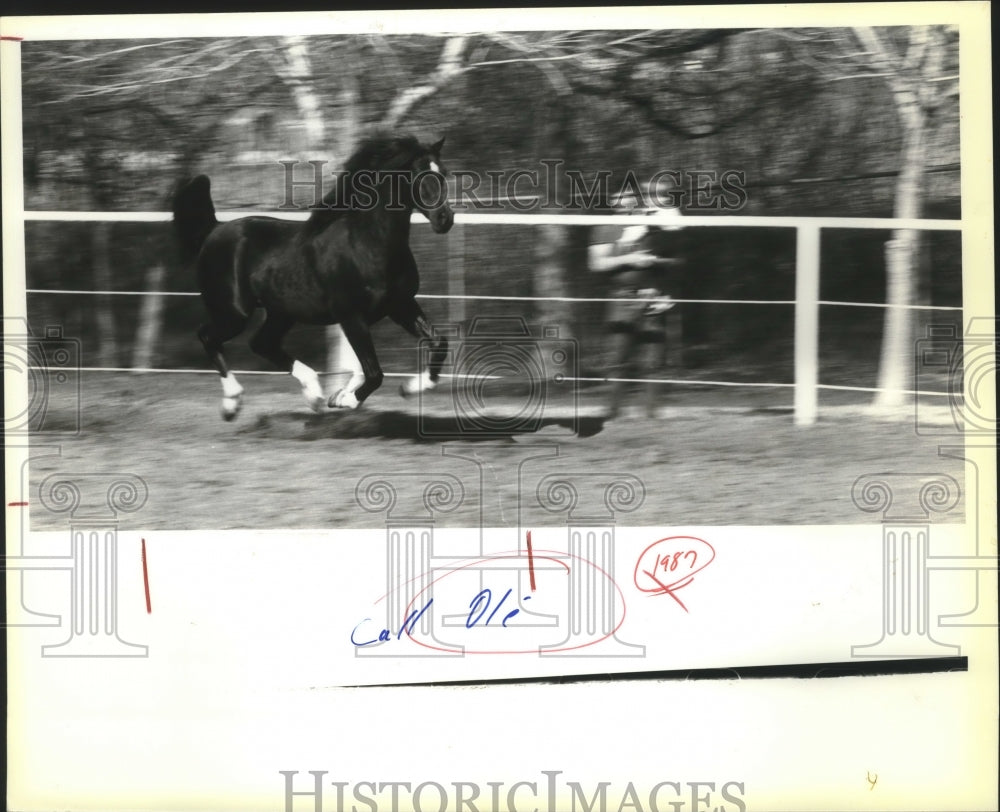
x=806 y=323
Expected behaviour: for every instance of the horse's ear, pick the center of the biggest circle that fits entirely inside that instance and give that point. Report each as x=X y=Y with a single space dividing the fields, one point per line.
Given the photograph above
x=436 y=147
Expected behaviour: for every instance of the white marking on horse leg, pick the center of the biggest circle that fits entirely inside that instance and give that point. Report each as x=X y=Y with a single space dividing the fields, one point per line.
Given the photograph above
x=231 y=387
x=232 y=396
x=418 y=383
x=345 y=400
x=357 y=378
x=435 y=167
x=312 y=391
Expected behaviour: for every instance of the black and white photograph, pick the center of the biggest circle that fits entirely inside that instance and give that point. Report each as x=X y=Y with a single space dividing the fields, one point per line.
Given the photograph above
x=604 y=358
x=486 y=236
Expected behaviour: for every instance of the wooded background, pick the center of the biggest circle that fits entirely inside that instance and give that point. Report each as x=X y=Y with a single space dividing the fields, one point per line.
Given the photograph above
x=826 y=122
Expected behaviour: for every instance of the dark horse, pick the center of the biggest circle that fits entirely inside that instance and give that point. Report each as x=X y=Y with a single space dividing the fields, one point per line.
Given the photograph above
x=348 y=264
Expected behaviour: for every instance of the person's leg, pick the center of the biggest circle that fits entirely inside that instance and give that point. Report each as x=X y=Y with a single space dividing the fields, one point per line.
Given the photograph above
x=652 y=352
x=623 y=367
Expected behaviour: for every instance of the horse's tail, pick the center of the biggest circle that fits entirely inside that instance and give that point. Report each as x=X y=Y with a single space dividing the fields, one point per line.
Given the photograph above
x=194 y=215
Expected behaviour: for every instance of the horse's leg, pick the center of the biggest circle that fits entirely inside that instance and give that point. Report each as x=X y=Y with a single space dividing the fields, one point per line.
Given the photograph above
x=360 y=338
x=357 y=375
x=267 y=344
x=213 y=334
x=411 y=318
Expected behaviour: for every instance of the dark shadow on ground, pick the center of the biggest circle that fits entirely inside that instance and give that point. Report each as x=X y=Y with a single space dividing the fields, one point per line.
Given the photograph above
x=398 y=425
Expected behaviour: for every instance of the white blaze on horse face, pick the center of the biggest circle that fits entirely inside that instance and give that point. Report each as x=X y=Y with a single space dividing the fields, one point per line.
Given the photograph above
x=435 y=167
x=312 y=391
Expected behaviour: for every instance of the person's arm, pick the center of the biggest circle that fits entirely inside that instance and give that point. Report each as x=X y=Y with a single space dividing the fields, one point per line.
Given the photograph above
x=658 y=301
x=602 y=258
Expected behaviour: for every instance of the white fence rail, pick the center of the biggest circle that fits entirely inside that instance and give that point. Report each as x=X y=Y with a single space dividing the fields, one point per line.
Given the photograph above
x=807 y=274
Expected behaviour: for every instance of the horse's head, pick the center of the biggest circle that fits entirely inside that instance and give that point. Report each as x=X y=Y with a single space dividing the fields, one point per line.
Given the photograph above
x=429 y=189
x=381 y=160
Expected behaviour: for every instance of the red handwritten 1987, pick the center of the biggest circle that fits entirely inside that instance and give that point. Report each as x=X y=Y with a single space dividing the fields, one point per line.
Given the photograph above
x=670 y=564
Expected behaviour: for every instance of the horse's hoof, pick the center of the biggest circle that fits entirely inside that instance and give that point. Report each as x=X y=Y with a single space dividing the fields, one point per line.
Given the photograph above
x=344 y=400
x=231 y=407
x=316 y=402
x=418 y=383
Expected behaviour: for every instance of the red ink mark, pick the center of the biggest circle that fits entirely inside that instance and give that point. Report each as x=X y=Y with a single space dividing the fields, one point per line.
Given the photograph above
x=17 y=504
x=670 y=564
x=145 y=578
x=531 y=564
x=669 y=590
x=12 y=39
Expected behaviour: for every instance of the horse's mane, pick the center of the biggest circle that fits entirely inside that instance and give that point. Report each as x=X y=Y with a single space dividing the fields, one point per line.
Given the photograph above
x=376 y=151
x=383 y=151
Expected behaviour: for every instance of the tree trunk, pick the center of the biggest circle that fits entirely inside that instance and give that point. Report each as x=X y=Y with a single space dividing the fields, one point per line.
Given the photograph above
x=901 y=263
x=553 y=242
x=550 y=252
x=147 y=335
x=451 y=64
x=911 y=79
x=104 y=318
x=297 y=74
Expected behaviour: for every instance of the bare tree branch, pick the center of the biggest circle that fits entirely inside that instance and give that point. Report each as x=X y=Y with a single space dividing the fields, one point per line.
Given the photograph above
x=449 y=66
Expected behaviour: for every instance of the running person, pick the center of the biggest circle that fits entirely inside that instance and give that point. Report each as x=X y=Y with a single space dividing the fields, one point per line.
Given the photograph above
x=638 y=262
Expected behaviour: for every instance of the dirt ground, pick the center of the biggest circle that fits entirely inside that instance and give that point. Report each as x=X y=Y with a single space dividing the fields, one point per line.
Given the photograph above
x=710 y=456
